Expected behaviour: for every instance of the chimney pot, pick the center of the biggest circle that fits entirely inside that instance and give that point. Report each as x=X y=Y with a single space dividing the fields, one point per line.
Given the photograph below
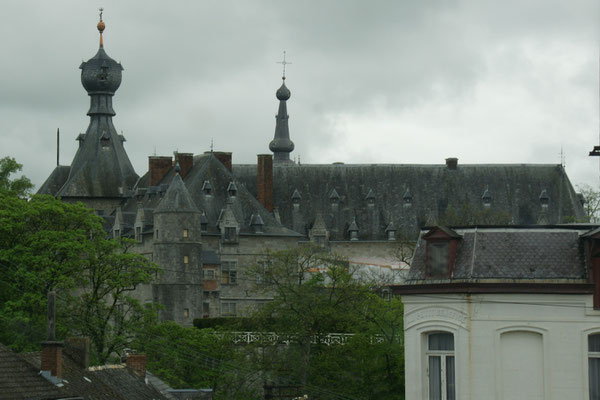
x=137 y=362
x=452 y=163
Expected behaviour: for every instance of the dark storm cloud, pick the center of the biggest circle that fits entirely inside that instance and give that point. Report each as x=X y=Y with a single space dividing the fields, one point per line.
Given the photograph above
x=377 y=81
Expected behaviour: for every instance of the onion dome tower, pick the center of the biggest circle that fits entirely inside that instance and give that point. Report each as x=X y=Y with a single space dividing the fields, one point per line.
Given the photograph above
x=281 y=145
x=101 y=167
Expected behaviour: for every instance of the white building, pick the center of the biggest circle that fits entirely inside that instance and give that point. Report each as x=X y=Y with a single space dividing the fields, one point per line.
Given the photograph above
x=503 y=313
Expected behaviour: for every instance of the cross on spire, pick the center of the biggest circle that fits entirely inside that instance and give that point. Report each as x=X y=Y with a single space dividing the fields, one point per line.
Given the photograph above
x=284 y=63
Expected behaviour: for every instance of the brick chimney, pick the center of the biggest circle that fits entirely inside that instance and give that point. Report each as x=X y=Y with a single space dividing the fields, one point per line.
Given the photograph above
x=158 y=166
x=186 y=162
x=265 y=181
x=225 y=159
x=452 y=163
x=51 y=358
x=78 y=350
x=137 y=362
x=51 y=355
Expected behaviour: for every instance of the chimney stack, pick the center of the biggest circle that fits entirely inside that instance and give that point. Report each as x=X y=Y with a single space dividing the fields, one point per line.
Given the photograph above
x=137 y=362
x=452 y=163
x=186 y=162
x=158 y=166
x=224 y=157
x=78 y=349
x=51 y=356
x=265 y=181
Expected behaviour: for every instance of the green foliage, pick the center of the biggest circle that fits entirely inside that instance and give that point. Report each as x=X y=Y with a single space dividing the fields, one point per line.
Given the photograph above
x=315 y=293
x=194 y=358
x=20 y=187
x=48 y=244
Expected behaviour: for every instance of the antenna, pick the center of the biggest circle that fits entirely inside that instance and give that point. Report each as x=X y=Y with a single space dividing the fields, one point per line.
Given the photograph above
x=563 y=157
x=57 y=146
x=212 y=147
x=284 y=63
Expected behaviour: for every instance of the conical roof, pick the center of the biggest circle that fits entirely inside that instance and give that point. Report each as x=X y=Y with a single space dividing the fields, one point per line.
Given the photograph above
x=177 y=198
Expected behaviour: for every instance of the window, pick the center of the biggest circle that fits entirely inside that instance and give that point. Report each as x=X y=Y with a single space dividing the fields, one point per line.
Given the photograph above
x=185 y=233
x=116 y=233
x=437 y=258
x=138 y=233
x=186 y=313
x=440 y=363
x=228 y=309
x=156 y=234
x=205 y=310
x=262 y=272
x=594 y=365
x=186 y=259
x=230 y=233
x=228 y=272
x=209 y=274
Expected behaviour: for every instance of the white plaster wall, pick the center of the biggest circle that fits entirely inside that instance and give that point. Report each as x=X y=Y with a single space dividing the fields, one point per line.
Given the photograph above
x=477 y=322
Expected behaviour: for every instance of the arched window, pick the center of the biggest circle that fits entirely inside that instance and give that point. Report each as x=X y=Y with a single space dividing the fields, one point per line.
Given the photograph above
x=440 y=362
x=594 y=365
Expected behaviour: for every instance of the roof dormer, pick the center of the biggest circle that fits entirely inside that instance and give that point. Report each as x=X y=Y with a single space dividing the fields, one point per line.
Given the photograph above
x=440 y=252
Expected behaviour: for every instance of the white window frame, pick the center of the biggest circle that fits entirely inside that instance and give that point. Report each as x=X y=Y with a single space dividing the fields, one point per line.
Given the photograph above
x=591 y=355
x=443 y=356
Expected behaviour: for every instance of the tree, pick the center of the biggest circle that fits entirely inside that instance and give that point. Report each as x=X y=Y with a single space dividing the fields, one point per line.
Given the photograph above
x=316 y=293
x=20 y=187
x=46 y=244
x=198 y=358
x=591 y=204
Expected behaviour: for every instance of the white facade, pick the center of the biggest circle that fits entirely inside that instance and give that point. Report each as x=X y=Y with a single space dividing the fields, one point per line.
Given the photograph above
x=506 y=346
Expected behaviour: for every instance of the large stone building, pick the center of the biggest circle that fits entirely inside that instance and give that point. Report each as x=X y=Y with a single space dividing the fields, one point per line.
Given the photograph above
x=204 y=219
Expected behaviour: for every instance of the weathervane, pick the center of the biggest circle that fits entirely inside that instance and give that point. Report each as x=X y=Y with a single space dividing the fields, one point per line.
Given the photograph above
x=284 y=63
x=101 y=9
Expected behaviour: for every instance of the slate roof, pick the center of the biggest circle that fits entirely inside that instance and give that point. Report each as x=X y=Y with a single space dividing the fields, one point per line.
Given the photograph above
x=208 y=168
x=544 y=253
x=432 y=191
x=110 y=382
x=177 y=198
x=101 y=167
x=21 y=380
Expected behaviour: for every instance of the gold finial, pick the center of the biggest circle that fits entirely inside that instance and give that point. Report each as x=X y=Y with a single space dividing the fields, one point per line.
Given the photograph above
x=284 y=63
x=101 y=27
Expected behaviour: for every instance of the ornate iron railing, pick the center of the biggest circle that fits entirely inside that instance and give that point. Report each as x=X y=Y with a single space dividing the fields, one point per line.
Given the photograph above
x=272 y=338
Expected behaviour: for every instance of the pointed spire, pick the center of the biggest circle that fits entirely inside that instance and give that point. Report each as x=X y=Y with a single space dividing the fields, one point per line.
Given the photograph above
x=281 y=145
x=101 y=27
x=334 y=197
x=296 y=197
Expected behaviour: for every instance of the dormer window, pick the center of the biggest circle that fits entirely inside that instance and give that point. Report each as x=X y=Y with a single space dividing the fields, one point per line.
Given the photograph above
x=440 y=251
x=437 y=258
x=334 y=197
x=486 y=199
x=232 y=189
x=207 y=188
x=370 y=198
x=407 y=198
x=544 y=199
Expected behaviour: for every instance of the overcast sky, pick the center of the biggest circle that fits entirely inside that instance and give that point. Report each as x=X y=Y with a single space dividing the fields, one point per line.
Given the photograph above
x=510 y=81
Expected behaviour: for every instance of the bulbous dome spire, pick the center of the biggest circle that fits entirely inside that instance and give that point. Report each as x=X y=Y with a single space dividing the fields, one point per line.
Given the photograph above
x=283 y=93
x=101 y=74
